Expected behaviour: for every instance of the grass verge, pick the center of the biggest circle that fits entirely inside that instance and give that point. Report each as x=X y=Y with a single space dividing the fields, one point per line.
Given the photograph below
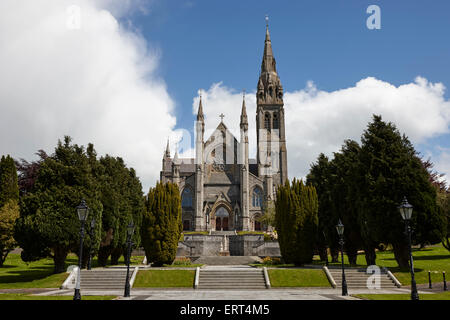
x=16 y=274
x=298 y=278
x=20 y=296
x=165 y=279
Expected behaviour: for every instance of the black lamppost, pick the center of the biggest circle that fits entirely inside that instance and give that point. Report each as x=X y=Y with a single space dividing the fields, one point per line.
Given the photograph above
x=91 y=234
x=406 y=212
x=326 y=248
x=130 y=231
x=83 y=211
x=340 y=231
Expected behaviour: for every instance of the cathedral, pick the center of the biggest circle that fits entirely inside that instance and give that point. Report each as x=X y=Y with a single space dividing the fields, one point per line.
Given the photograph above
x=221 y=188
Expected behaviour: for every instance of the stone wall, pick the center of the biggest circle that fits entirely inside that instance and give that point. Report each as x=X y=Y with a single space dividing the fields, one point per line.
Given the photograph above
x=236 y=245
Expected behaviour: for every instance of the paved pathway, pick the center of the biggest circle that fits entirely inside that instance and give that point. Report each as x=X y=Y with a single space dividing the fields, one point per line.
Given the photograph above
x=271 y=294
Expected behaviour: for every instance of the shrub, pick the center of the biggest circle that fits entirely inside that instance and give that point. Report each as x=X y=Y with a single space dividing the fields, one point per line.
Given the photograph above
x=271 y=261
x=184 y=261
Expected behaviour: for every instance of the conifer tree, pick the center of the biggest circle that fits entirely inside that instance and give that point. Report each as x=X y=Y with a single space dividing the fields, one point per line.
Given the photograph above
x=9 y=208
x=9 y=188
x=392 y=170
x=161 y=225
x=296 y=218
x=48 y=223
x=123 y=201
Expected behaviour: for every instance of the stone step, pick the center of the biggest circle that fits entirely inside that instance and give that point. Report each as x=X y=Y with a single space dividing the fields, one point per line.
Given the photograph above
x=112 y=279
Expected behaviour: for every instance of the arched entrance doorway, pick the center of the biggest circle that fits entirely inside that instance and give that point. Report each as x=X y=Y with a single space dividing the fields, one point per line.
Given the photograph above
x=222 y=217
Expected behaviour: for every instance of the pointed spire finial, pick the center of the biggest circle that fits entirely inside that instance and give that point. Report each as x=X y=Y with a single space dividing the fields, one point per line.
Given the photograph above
x=244 y=119
x=200 y=115
x=167 y=149
x=267 y=21
x=176 y=157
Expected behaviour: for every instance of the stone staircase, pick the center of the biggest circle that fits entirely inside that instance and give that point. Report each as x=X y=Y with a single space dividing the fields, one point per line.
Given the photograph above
x=223 y=233
x=357 y=278
x=104 y=279
x=238 y=279
x=226 y=261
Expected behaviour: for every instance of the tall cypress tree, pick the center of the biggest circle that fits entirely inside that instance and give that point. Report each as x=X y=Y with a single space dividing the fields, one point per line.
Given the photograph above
x=161 y=225
x=296 y=217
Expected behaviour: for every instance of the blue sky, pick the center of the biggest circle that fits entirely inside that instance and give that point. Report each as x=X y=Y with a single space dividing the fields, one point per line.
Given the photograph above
x=324 y=41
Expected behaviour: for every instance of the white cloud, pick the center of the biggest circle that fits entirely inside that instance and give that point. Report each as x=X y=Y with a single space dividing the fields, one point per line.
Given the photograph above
x=442 y=164
x=319 y=121
x=93 y=81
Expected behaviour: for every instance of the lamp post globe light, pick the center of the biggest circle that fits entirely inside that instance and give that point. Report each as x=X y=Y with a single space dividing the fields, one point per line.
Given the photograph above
x=82 y=211
x=340 y=231
x=406 y=213
x=130 y=232
x=91 y=234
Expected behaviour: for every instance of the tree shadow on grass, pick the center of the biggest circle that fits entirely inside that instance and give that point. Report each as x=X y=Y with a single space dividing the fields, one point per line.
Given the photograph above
x=434 y=257
x=29 y=273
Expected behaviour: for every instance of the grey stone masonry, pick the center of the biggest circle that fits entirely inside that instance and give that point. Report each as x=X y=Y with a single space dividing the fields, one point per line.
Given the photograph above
x=227 y=243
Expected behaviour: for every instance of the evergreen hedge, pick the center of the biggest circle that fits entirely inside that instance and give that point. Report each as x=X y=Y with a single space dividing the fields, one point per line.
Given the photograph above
x=161 y=225
x=296 y=219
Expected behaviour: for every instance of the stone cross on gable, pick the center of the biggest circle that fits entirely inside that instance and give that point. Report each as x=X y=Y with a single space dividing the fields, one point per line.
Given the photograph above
x=222 y=116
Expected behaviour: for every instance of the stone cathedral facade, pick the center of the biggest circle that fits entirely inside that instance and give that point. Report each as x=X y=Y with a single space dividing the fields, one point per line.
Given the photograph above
x=221 y=188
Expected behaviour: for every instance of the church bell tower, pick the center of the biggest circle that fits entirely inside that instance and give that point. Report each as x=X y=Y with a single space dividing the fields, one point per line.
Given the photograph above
x=270 y=121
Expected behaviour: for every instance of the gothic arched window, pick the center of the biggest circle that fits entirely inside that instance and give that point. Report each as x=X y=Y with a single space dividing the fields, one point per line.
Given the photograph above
x=276 y=121
x=186 y=198
x=257 y=198
x=267 y=121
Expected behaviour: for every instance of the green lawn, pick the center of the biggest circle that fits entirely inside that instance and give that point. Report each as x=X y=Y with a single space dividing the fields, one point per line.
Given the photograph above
x=19 y=296
x=165 y=279
x=434 y=296
x=298 y=278
x=16 y=274
x=433 y=258
x=192 y=265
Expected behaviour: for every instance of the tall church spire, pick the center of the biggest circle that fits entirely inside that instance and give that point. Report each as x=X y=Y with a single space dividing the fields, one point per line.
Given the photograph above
x=200 y=115
x=270 y=90
x=268 y=64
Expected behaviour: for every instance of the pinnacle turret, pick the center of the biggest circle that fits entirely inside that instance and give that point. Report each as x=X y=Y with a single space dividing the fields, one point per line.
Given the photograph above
x=244 y=118
x=200 y=115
